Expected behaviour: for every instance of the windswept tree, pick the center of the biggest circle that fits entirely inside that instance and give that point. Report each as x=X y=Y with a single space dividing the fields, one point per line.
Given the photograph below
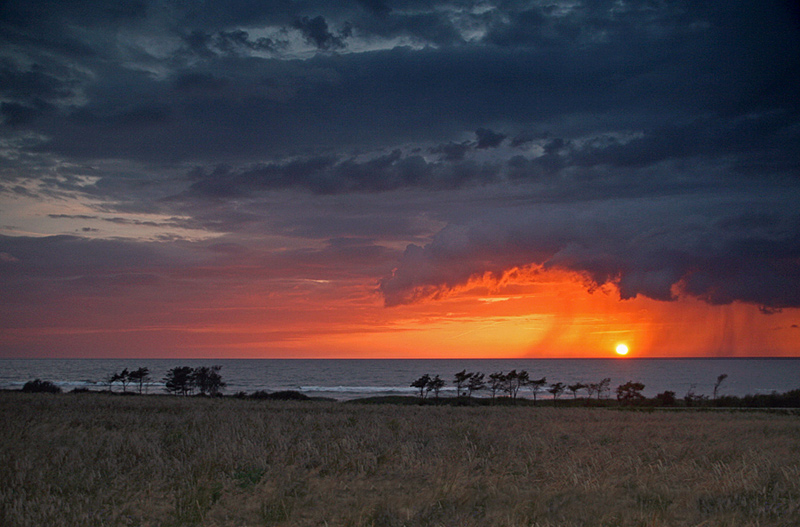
x=475 y=383
x=537 y=385
x=693 y=398
x=630 y=392
x=603 y=387
x=109 y=381
x=179 y=380
x=208 y=380
x=139 y=377
x=575 y=388
x=421 y=384
x=123 y=377
x=496 y=382
x=719 y=383
x=509 y=382
x=556 y=390
x=514 y=381
x=435 y=385
x=460 y=380
x=591 y=389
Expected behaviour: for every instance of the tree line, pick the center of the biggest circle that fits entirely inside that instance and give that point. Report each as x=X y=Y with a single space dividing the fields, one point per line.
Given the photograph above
x=181 y=380
x=207 y=380
x=510 y=384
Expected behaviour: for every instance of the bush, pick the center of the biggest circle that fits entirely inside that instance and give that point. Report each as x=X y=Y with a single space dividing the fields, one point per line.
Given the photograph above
x=666 y=398
x=40 y=386
x=286 y=395
x=289 y=395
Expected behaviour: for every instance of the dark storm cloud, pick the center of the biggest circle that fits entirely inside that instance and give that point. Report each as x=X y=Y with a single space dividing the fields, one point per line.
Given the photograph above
x=743 y=136
x=637 y=75
x=17 y=114
x=433 y=28
x=452 y=151
x=235 y=42
x=645 y=247
x=316 y=31
x=377 y=7
x=488 y=138
x=331 y=175
x=35 y=84
x=641 y=113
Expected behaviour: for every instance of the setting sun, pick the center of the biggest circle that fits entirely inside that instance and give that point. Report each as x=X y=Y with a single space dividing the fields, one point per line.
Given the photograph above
x=622 y=349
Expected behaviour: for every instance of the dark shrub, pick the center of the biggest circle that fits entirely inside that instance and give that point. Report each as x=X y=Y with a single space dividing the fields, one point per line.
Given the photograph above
x=289 y=395
x=666 y=398
x=40 y=386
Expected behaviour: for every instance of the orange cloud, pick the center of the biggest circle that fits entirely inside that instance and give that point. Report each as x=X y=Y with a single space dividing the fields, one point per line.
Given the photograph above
x=526 y=312
x=531 y=312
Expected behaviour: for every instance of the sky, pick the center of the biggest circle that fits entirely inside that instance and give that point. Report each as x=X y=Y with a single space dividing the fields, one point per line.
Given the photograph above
x=443 y=179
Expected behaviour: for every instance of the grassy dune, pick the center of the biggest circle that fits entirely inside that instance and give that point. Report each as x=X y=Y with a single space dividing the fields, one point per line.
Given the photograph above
x=79 y=459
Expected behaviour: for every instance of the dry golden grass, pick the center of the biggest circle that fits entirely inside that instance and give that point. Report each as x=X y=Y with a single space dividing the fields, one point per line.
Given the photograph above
x=83 y=460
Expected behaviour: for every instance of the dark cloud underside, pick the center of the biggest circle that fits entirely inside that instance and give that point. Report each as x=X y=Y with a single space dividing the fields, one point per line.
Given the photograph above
x=654 y=145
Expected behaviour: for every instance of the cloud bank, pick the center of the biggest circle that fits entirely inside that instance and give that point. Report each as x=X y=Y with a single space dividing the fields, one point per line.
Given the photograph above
x=720 y=249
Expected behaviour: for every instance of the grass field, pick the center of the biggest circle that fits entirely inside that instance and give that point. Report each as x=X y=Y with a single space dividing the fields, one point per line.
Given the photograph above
x=88 y=459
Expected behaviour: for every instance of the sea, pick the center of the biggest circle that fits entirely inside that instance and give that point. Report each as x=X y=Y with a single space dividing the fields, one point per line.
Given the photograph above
x=346 y=379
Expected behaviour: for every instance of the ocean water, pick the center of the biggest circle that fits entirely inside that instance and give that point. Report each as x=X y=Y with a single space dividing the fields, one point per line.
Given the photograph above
x=348 y=379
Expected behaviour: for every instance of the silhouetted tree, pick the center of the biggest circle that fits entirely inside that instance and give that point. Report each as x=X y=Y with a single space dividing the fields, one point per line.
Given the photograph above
x=109 y=381
x=536 y=386
x=179 y=380
x=434 y=385
x=603 y=387
x=514 y=380
x=208 y=380
x=591 y=389
x=475 y=383
x=421 y=384
x=718 y=383
x=575 y=388
x=630 y=392
x=496 y=382
x=666 y=398
x=556 y=390
x=693 y=398
x=122 y=377
x=509 y=381
x=139 y=377
x=40 y=386
x=460 y=380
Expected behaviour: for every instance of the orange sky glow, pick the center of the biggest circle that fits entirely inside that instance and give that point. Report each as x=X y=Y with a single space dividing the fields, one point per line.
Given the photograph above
x=527 y=314
x=359 y=180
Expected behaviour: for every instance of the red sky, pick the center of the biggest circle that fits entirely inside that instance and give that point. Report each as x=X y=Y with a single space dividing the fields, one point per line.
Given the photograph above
x=541 y=314
x=408 y=179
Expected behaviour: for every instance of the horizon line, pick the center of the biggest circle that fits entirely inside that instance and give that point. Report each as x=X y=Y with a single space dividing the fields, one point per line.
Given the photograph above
x=610 y=358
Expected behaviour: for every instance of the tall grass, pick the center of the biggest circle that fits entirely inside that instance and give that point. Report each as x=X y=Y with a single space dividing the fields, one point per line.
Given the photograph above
x=81 y=459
